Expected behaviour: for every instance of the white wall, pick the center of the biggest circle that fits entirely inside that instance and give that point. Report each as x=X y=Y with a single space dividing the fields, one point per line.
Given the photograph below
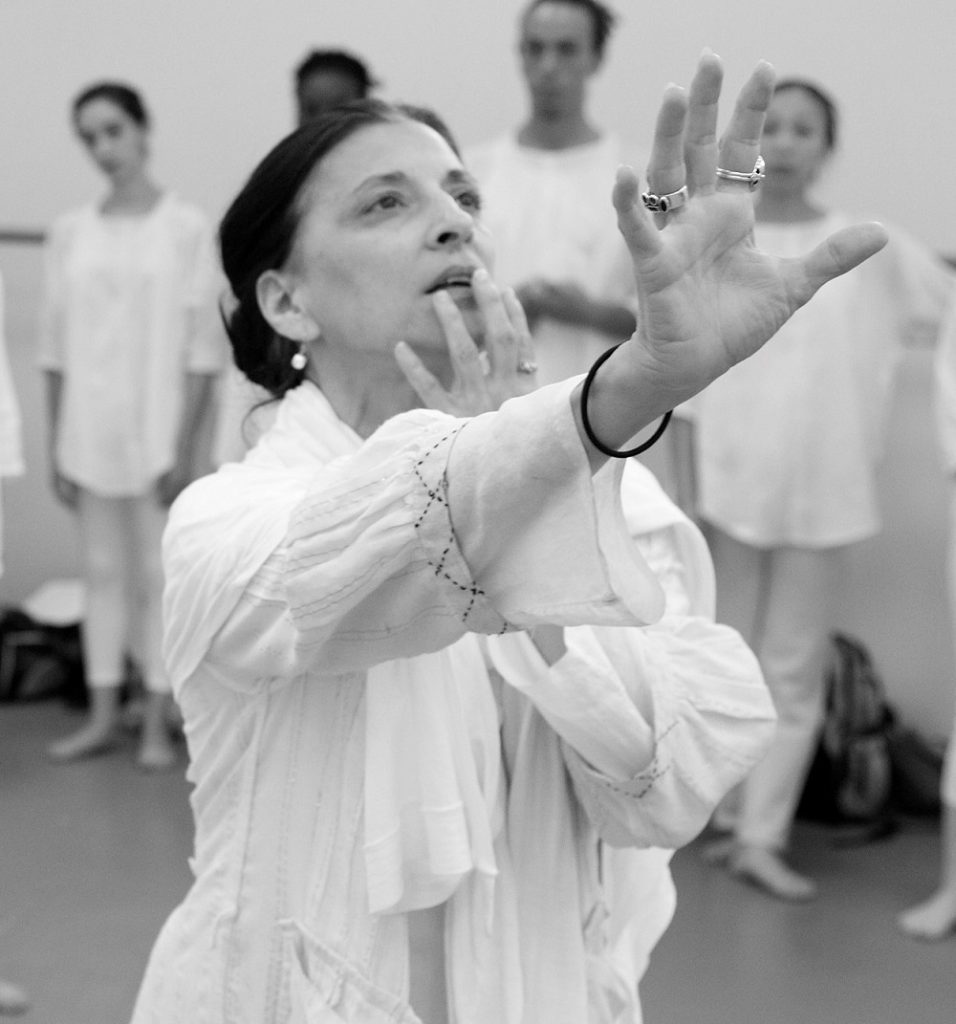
x=216 y=74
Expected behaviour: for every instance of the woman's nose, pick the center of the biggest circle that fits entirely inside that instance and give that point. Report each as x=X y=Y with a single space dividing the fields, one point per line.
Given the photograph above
x=101 y=148
x=453 y=225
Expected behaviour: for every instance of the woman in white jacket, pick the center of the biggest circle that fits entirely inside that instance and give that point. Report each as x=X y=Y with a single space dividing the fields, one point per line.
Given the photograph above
x=407 y=769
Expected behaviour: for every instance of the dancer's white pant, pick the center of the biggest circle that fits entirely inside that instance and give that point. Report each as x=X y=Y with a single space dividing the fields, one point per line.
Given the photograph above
x=780 y=600
x=948 y=792
x=121 y=540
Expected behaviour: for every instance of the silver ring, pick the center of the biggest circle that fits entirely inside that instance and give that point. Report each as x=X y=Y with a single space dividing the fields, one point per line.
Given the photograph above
x=665 y=203
x=527 y=366
x=751 y=178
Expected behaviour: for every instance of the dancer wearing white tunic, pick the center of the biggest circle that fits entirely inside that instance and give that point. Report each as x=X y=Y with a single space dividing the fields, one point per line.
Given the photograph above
x=130 y=343
x=13 y=999
x=545 y=198
x=935 y=917
x=784 y=453
x=369 y=771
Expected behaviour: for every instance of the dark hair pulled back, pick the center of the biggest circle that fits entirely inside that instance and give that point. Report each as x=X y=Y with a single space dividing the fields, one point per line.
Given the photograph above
x=259 y=228
x=120 y=94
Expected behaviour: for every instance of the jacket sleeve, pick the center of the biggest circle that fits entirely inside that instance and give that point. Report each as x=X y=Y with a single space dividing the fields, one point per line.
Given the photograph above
x=657 y=722
x=423 y=534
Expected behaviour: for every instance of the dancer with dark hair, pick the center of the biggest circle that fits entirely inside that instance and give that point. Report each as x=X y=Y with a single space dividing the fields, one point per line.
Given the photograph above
x=328 y=78
x=402 y=802
x=543 y=185
x=130 y=343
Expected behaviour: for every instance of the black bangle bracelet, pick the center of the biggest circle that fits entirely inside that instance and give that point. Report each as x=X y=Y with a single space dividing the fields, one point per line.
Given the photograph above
x=586 y=423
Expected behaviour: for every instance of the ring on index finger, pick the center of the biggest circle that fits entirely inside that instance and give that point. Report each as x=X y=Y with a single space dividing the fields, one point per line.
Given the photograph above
x=751 y=178
x=665 y=203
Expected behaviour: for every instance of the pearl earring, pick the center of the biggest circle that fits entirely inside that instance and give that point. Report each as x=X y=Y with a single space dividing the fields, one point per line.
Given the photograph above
x=300 y=360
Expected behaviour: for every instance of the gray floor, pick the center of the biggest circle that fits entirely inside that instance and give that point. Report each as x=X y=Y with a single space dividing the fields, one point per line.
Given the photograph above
x=93 y=856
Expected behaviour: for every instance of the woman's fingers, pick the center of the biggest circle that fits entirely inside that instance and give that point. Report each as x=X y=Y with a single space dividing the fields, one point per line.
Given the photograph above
x=665 y=170
x=740 y=145
x=640 y=234
x=425 y=384
x=464 y=353
x=524 y=353
x=500 y=336
x=700 y=147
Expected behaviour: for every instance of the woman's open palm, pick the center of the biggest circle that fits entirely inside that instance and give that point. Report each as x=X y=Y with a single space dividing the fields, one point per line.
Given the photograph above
x=708 y=297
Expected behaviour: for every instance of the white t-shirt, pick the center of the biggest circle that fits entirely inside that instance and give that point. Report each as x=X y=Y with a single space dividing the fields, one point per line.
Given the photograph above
x=787 y=441
x=550 y=216
x=129 y=309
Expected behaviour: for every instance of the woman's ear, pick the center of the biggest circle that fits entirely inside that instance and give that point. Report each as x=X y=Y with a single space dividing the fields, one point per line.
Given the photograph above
x=282 y=309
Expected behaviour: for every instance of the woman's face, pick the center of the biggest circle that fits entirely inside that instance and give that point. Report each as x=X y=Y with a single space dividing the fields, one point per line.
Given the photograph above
x=389 y=218
x=115 y=141
x=794 y=143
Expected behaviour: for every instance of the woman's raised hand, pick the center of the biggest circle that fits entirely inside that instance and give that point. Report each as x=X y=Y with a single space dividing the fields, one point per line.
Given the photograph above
x=483 y=379
x=708 y=298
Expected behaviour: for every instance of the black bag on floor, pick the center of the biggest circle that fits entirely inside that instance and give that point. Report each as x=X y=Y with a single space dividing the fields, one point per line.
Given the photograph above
x=851 y=777
x=38 y=660
x=917 y=771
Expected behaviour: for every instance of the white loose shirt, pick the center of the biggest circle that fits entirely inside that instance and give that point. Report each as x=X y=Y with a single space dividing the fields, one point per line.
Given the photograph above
x=787 y=442
x=130 y=307
x=551 y=217
x=345 y=776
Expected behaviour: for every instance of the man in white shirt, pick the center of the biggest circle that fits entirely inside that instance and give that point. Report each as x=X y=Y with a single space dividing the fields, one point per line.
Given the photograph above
x=546 y=192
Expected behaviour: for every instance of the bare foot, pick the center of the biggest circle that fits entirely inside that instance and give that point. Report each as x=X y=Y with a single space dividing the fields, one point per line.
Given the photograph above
x=13 y=999
x=767 y=870
x=89 y=741
x=932 y=920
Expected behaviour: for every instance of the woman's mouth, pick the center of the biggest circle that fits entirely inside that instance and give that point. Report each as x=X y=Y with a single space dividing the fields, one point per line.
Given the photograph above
x=452 y=280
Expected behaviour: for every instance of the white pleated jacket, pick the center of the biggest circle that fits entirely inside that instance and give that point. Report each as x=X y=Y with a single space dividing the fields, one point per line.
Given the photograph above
x=360 y=753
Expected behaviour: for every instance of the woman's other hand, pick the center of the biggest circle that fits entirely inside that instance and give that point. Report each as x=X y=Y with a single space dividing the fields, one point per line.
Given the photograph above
x=708 y=298
x=483 y=380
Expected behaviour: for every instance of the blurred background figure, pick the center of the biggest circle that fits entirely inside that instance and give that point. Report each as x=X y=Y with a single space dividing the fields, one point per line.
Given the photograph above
x=935 y=917
x=130 y=342
x=778 y=460
x=323 y=79
x=13 y=1000
x=328 y=78
x=544 y=191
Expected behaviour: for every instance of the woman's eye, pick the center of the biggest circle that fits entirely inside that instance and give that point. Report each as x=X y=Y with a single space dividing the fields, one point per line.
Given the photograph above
x=469 y=201
x=388 y=201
